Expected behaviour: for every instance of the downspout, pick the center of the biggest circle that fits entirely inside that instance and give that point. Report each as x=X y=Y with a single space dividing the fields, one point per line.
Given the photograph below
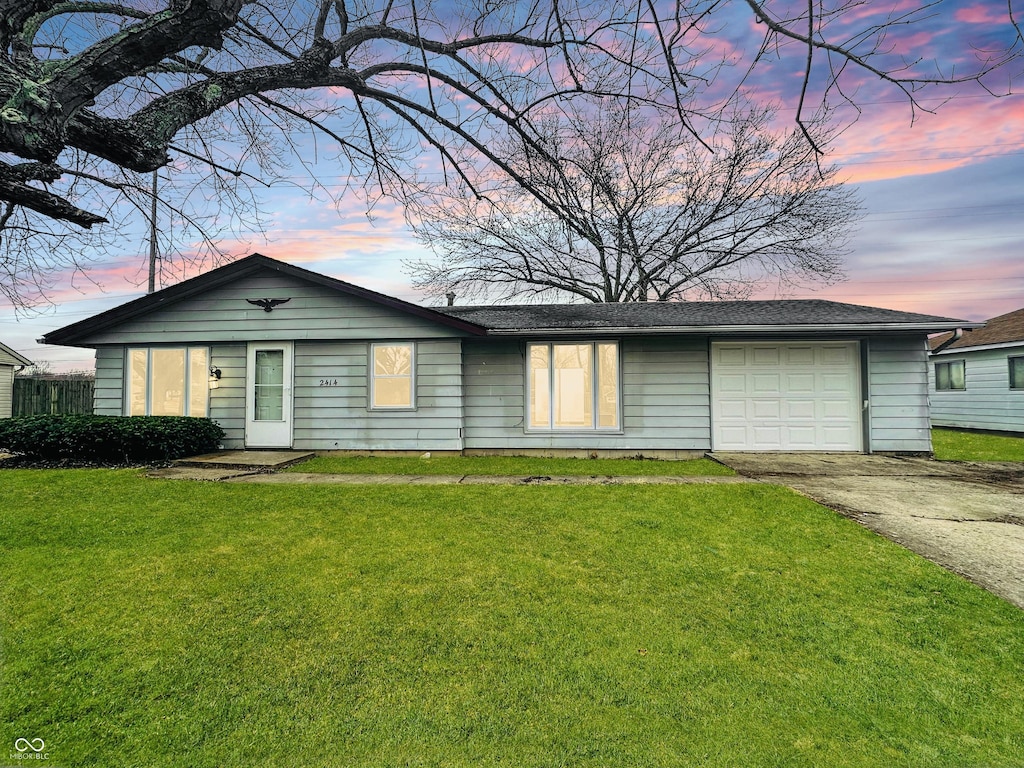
x=957 y=335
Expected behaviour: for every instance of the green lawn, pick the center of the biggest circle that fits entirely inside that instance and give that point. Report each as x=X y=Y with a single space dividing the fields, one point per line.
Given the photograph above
x=953 y=445
x=517 y=466
x=173 y=623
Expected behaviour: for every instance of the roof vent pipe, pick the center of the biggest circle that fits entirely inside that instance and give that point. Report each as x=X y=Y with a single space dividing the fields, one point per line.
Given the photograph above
x=957 y=335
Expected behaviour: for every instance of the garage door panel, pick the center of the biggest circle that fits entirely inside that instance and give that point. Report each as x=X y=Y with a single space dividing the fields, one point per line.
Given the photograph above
x=732 y=383
x=801 y=439
x=797 y=383
x=836 y=382
x=765 y=384
x=799 y=409
x=767 y=409
x=800 y=396
x=765 y=356
x=736 y=356
x=836 y=355
x=835 y=438
x=799 y=355
x=837 y=409
x=766 y=437
x=732 y=409
x=733 y=438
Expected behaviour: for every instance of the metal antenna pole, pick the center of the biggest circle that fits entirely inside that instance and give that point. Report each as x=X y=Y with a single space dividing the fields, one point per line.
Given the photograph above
x=152 y=240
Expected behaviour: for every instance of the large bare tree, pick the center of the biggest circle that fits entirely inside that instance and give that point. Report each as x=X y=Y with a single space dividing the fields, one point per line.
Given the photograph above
x=96 y=94
x=637 y=210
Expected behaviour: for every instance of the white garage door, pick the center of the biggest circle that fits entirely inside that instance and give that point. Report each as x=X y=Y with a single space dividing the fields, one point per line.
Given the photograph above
x=786 y=396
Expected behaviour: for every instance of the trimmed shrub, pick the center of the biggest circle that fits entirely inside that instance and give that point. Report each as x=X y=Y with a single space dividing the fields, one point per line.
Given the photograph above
x=109 y=439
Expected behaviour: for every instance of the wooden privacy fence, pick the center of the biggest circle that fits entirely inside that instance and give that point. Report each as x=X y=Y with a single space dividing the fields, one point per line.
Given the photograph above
x=54 y=396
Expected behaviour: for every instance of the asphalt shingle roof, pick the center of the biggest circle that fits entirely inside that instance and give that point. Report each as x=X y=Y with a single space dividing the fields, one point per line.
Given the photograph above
x=699 y=314
x=999 y=330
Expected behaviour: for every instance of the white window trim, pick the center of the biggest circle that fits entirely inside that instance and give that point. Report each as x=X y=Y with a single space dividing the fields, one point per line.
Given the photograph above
x=595 y=390
x=127 y=381
x=372 y=375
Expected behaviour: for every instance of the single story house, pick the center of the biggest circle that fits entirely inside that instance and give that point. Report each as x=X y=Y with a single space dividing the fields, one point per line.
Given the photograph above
x=283 y=357
x=10 y=361
x=976 y=379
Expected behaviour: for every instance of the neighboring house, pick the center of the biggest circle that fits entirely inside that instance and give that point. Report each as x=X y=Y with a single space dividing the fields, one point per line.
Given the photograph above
x=976 y=381
x=283 y=357
x=10 y=361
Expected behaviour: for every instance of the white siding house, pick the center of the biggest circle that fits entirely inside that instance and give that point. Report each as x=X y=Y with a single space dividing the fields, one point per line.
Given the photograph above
x=283 y=357
x=976 y=381
x=10 y=361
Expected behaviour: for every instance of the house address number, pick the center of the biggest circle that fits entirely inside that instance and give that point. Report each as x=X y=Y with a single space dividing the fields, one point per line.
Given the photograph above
x=328 y=382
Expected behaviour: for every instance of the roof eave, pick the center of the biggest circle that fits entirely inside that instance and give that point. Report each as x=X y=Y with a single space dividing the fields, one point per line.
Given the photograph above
x=859 y=329
x=980 y=347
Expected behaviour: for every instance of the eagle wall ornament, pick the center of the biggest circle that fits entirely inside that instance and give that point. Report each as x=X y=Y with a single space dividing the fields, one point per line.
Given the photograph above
x=268 y=304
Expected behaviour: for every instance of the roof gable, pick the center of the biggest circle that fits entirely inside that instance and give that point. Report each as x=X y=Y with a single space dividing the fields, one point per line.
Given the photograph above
x=82 y=332
x=9 y=357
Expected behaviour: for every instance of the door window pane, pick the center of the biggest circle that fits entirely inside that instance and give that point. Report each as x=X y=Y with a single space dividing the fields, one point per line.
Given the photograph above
x=269 y=385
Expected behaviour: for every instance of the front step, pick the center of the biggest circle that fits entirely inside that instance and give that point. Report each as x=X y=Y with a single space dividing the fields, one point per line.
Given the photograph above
x=253 y=460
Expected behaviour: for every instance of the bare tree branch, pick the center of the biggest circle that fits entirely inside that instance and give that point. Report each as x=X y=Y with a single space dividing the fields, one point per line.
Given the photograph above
x=399 y=87
x=639 y=211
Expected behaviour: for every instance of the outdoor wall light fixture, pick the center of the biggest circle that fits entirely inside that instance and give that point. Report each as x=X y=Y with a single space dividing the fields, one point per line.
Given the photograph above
x=214 y=378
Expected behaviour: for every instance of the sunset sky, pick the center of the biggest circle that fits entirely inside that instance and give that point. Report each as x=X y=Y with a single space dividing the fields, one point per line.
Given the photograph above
x=943 y=232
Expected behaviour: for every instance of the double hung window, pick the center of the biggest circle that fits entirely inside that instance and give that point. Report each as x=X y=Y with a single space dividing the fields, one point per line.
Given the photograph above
x=1016 y=373
x=168 y=381
x=392 y=375
x=573 y=386
x=951 y=375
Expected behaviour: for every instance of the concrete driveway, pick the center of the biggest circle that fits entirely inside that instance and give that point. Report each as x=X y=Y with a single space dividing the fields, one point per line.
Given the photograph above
x=967 y=517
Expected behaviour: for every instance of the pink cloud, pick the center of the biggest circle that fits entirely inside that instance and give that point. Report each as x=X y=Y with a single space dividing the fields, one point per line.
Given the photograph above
x=981 y=14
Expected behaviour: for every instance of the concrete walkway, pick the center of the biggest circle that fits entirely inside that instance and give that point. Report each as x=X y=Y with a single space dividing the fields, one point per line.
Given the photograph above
x=262 y=466
x=965 y=516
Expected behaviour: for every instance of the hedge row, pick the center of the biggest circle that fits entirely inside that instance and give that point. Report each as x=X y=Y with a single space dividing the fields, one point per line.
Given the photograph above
x=109 y=439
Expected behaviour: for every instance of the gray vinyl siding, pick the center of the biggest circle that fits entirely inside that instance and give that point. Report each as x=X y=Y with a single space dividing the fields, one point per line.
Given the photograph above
x=987 y=402
x=337 y=417
x=314 y=312
x=227 y=402
x=898 y=394
x=664 y=398
x=108 y=396
x=6 y=390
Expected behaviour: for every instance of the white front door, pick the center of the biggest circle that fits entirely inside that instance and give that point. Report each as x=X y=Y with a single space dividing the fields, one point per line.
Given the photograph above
x=268 y=401
x=786 y=396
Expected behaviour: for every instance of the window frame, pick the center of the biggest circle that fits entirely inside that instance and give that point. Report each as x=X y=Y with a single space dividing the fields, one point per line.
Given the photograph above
x=371 y=395
x=947 y=364
x=595 y=386
x=187 y=383
x=1019 y=359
